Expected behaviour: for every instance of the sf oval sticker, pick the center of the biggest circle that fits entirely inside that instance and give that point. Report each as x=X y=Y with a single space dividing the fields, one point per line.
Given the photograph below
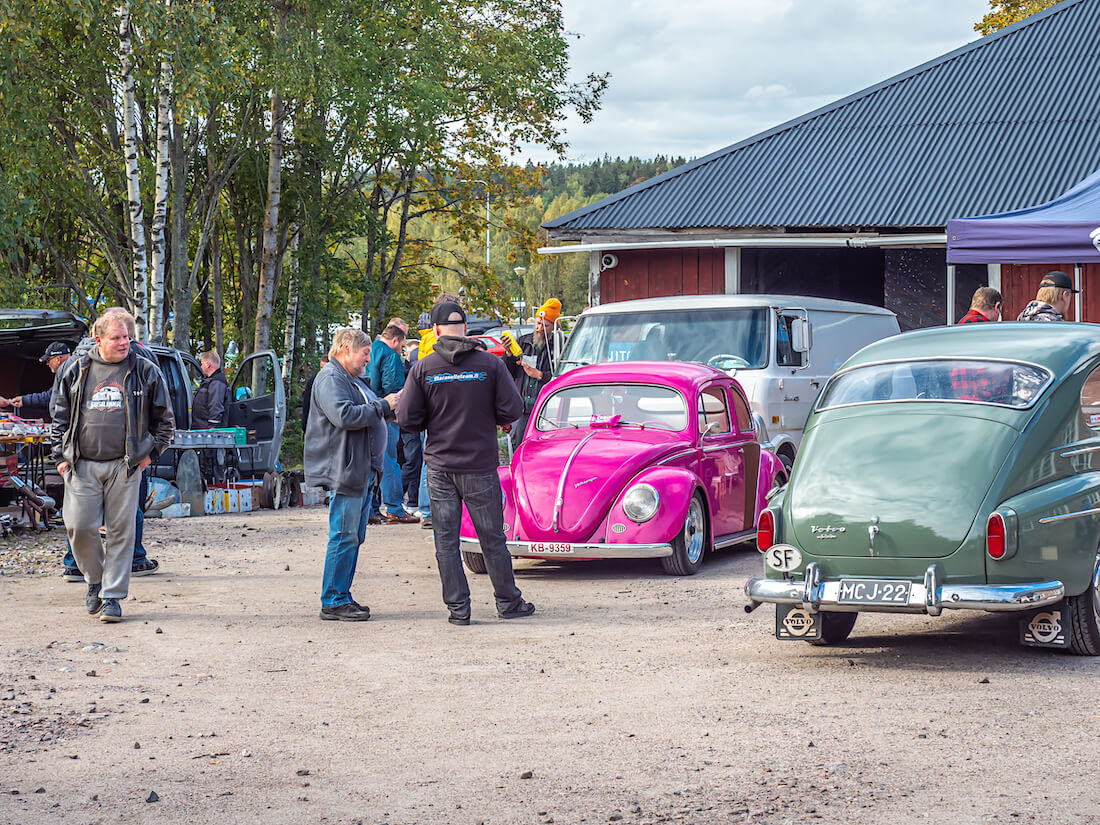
x=783 y=557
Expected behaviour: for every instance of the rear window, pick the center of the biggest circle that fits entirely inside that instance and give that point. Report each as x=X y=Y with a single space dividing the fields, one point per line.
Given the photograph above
x=1001 y=383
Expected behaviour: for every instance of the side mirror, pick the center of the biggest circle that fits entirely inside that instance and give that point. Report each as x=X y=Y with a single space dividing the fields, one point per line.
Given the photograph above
x=711 y=427
x=800 y=335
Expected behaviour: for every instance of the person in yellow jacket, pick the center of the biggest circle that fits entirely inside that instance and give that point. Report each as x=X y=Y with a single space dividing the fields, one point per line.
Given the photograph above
x=529 y=360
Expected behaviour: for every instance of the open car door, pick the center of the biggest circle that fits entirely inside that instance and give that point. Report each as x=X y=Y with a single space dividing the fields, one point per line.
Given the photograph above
x=257 y=401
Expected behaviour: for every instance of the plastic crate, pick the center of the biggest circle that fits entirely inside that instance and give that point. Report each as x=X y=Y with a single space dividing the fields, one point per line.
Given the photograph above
x=239 y=434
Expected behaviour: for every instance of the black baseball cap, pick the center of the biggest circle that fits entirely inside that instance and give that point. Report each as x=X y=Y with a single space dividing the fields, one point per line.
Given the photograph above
x=54 y=349
x=1059 y=279
x=445 y=311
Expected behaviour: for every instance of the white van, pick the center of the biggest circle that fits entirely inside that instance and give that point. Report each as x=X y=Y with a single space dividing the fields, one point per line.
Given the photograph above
x=781 y=348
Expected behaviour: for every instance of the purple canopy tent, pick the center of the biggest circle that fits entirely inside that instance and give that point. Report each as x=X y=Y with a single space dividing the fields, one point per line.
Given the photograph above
x=1064 y=229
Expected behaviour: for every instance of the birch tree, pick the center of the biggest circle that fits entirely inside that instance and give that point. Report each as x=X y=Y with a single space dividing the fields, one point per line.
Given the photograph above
x=133 y=183
x=160 y=204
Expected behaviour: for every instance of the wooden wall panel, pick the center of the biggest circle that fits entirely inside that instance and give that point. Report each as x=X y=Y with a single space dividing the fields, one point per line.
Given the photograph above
x=658 y=273
x=1020 y=282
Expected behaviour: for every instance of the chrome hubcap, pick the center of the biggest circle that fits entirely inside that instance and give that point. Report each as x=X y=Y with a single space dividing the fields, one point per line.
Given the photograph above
x=694 y=530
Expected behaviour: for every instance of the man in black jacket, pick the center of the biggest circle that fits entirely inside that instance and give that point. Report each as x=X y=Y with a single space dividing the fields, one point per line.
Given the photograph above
x=460 y=394
x=111 y=418
x=210 y=408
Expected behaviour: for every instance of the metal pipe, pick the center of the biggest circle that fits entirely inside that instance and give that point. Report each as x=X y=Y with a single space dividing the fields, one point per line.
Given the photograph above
x=1077 y=295
x=950 y=294
x=774 y=241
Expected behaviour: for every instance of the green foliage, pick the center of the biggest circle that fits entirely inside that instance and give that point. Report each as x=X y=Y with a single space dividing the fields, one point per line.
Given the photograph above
x=1006 y=12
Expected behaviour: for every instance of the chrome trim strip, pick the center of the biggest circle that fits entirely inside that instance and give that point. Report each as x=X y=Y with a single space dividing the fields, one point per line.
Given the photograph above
x=731 y=539
x=1067 y=516
x=560 y=497
x=1068 y=453
x=816 y=595
x=680 y=454
x=593 y=550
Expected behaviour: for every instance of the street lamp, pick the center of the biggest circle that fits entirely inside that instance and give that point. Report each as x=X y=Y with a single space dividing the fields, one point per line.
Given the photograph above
x=519 y=270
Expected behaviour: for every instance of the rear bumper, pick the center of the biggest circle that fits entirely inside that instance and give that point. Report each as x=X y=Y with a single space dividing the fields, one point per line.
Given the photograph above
x=542 y=550
x=929 y=596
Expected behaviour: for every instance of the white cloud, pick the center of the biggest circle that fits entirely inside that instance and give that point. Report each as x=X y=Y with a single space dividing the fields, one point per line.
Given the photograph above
x=692 y=76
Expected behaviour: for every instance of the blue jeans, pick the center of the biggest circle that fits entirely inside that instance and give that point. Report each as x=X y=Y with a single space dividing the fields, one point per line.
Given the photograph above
x=481 y=494
x=139 y=527
x=347 y=528
x=393 y=495
x=424 y=500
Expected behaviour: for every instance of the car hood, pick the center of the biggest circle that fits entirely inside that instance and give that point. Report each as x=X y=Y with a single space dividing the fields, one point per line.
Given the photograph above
x=922 y=475
x=595 y=466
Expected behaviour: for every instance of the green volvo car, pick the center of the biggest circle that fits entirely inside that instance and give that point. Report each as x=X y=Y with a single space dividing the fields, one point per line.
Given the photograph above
x=955 y=468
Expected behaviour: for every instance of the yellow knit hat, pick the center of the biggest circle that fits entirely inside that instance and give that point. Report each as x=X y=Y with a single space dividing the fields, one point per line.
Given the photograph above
x=550 y=310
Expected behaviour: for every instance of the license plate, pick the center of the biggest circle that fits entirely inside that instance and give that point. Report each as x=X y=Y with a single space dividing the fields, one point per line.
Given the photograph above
x=874 y=591
x=552 y=548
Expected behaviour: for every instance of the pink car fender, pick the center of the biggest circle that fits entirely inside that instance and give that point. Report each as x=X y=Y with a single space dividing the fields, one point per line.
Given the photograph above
x=675 y=487
x=770 y=467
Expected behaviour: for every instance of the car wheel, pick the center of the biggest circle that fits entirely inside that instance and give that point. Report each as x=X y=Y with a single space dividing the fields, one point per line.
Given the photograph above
x=787 y=461
x=835 y=627
x=1084 y=616
x=692 y=542
x=474 y=561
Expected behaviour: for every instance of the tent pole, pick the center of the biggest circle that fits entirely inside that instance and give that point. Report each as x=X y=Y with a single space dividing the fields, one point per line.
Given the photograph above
x=1077 y=295
x=950 y=294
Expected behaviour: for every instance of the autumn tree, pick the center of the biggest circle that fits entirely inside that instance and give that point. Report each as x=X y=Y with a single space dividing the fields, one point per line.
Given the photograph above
x=1006 y=12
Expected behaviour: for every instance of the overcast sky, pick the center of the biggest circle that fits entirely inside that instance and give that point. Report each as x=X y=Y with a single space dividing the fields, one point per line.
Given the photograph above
x=691 y=76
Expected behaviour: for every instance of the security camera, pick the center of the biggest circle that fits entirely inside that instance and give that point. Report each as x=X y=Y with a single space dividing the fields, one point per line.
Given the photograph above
x=609 y=261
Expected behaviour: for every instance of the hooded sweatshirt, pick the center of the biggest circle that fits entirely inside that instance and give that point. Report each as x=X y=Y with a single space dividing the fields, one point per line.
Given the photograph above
x=1040 y=311
x=459 y=394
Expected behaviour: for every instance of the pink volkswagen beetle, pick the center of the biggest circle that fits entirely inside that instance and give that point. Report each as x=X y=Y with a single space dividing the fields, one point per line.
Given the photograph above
x=634 y=460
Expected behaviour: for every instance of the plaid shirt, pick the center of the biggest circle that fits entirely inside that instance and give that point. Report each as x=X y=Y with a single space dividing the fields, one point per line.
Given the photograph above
x=973 y=317
x=983 y=382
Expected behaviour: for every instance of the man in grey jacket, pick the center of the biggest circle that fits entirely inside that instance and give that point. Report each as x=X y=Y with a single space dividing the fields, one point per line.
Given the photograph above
x=338 y=458
x=111 y=418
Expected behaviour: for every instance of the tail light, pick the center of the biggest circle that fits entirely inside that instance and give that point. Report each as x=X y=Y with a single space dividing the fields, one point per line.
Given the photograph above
x=765 y=530
x=995 y=532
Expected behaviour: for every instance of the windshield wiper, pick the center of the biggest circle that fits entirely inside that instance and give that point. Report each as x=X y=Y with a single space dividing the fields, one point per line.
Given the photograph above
x=581 y=363
x=555 y=425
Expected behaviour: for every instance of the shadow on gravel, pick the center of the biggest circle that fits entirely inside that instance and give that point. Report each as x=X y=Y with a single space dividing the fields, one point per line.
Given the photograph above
x=729 y=563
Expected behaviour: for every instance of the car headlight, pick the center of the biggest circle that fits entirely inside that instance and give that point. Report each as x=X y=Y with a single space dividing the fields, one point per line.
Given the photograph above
x=640 y=503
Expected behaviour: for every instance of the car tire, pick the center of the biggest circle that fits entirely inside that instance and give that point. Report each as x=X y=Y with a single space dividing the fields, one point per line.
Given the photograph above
x=787 y=462
x=1084 y=616
x=835 y=627
x=692 y=543
x=474 y=561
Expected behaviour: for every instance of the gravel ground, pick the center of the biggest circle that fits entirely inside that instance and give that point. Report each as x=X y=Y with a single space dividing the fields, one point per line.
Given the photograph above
x=629 y=697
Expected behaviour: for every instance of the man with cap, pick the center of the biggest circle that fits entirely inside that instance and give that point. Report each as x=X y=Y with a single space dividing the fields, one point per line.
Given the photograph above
x=460 y=394
x=529 y=362
x=55 y=355
x=1053 y=299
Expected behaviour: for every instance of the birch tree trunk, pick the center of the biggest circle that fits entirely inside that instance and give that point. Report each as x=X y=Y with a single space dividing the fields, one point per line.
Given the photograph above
x=133 y=183
x=215 y=240
x=265 y=298
x=290 y=327
x=182 y=293
x=160 y=207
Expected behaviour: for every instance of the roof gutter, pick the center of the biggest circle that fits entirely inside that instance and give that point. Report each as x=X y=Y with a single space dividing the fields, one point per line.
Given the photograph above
x=774 y=241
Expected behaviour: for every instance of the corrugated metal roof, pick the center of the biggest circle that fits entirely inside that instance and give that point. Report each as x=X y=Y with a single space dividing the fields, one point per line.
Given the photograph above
x=1008 y=121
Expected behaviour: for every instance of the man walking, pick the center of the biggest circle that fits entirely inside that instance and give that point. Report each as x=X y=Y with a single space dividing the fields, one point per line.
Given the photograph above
x=210 y=408
x=111 y=418
x=338 y=458
x=387 y=375
x=530 y=363
x=984 y=306
x=460 y=394
x=1053 y=299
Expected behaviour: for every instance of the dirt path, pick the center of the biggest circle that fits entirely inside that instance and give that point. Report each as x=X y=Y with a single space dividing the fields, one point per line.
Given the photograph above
x=630 y=696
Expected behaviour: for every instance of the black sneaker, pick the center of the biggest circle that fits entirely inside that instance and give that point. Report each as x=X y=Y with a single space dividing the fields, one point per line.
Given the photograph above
x=72 y=574
x=144 y=567
x=523 y=610
x=426 y=523
x=459 y=619
x=92 y=600
x=110 y=612
x=350 y=612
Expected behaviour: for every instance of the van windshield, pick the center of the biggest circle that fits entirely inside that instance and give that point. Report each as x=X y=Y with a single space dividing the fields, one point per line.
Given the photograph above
x=723 y=338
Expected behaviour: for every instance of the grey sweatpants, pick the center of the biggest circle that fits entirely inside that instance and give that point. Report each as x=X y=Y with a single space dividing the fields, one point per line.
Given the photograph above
x=102 y=492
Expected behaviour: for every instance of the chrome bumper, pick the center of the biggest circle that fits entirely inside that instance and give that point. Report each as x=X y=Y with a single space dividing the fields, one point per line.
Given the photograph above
x=928 y=596
x=593 y=550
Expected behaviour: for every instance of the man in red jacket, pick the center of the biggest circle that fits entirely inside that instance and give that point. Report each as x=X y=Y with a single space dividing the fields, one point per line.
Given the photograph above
x=984 y=306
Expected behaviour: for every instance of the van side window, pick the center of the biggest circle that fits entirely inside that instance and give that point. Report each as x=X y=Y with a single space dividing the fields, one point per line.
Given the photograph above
x=785 y=355
x=741 y=412
x=712 y=411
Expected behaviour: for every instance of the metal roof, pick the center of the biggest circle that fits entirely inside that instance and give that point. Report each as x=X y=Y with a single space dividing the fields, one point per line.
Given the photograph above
x=682 y=302
x=1008 y=121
